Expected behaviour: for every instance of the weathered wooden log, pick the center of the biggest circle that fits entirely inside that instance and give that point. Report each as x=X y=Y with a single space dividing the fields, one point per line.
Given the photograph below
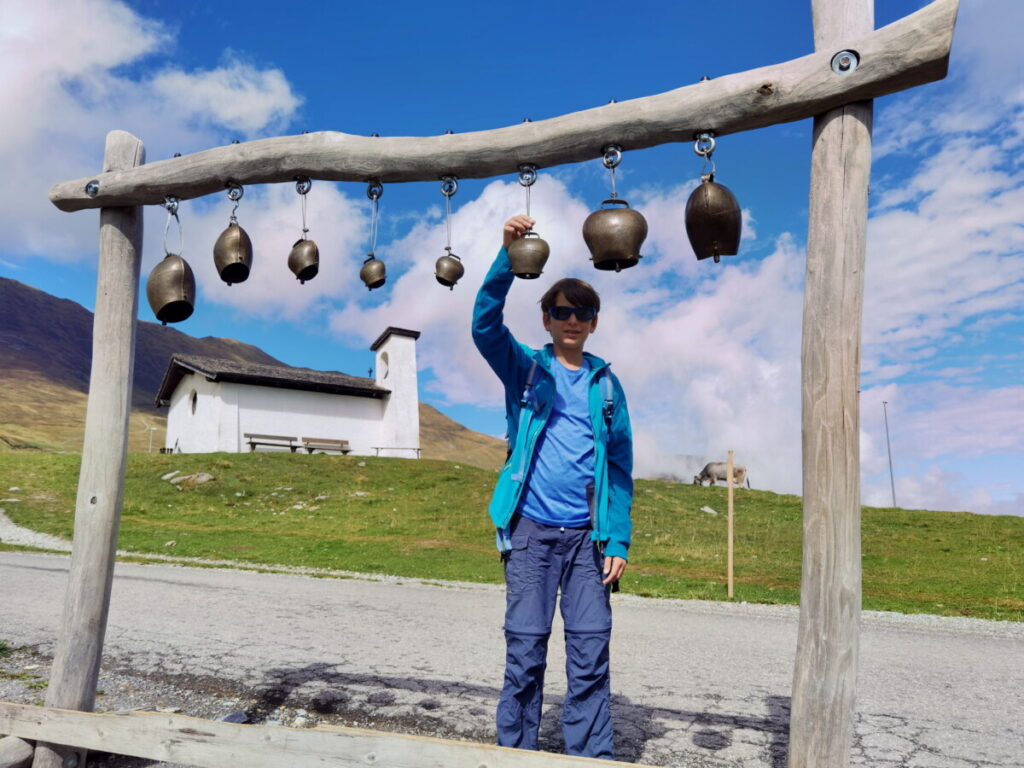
x=825 y=675
x=76 y=662
x=906 y=53
x=214 y=744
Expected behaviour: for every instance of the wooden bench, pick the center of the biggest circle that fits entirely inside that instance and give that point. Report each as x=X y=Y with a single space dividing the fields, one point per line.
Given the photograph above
x=324 y=444
x=378 y=448
x=274 y=441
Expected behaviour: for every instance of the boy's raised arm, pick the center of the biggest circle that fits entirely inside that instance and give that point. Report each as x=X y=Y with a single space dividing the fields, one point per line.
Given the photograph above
x=490 y=334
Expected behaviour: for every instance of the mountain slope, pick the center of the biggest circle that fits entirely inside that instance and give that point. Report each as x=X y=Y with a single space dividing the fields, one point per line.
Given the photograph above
x=45 y=358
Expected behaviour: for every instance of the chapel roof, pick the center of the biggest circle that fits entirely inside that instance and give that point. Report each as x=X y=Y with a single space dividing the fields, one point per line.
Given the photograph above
x=282 y=376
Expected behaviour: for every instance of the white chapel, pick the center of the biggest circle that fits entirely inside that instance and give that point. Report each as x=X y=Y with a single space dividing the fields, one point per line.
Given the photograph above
x=217 y=405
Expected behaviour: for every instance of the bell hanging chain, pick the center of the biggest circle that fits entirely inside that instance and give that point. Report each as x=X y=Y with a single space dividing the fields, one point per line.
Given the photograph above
x=171 y=204
x=527 y=177
x=449 y=186
x=235 y=194
x=612 y=158
x=704 y=146
x=302 y=186
x=373 y=191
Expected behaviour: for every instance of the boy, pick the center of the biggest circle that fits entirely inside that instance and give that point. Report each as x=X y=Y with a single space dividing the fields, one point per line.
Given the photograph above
x=561 y=505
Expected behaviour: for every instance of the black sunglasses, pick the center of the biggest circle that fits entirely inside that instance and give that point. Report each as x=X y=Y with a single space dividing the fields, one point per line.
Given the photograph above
x=583 y=314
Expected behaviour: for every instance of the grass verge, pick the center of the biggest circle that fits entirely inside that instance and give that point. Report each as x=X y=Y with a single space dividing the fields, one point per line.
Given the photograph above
x=427 y=519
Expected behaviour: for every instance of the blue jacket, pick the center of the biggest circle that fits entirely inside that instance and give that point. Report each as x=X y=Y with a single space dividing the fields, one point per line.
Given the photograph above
x=527 y=410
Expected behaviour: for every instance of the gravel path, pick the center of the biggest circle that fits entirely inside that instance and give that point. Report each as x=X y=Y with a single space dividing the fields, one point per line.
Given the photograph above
x=694 y=684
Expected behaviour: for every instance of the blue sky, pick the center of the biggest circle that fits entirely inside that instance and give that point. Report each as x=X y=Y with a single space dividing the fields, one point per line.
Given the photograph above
x=709 y=354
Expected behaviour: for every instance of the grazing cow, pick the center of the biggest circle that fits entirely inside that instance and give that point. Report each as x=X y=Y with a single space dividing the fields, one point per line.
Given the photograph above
x=718 y=470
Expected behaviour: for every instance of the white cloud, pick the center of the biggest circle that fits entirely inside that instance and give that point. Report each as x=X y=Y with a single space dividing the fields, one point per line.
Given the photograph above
x=62 y=64
x=236 y=95
x=707 y=366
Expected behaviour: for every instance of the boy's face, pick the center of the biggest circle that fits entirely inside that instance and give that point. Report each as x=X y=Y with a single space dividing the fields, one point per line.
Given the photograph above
x=568 y=335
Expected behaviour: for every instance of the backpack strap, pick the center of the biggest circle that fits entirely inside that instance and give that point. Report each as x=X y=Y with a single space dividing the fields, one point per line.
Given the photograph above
x=529 y=383
x=524 y=402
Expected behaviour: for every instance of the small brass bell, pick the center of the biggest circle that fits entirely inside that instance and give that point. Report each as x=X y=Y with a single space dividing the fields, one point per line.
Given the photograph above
x=171 y=290
x=614 y=235
x=449 y=269
x=304 y=260
x=713 y=220
x=528 y=255
x=232 y=254
x=372 y=273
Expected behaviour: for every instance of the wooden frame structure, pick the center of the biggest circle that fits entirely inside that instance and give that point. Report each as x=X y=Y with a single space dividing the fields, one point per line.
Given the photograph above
x=909 y=52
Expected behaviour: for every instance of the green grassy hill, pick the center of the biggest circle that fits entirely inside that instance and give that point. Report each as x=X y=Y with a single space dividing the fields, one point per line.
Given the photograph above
x=427 y=519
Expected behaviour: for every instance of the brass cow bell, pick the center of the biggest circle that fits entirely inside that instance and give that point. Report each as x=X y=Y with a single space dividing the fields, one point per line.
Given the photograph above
x=372 y=273
x=304 y=260
x=614 y=235
x=713 y=220
x=171 y=290
x=449 y=269
x=232 y=254
x=528 y=255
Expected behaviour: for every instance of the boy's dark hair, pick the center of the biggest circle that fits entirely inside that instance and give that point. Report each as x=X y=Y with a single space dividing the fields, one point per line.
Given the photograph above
x=577 y=293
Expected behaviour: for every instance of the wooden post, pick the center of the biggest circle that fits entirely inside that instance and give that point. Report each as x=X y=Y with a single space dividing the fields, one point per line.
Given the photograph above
x=729 y=485
x=825 y=676
x=76 y=662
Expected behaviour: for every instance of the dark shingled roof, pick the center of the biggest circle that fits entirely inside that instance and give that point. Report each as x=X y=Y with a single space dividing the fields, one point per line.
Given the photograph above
x=285 y=377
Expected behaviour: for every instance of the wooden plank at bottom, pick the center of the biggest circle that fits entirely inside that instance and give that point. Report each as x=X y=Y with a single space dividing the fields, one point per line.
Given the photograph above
x=214 y=744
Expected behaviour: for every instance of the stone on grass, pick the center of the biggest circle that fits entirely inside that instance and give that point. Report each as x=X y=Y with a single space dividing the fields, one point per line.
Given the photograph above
x=15 y=752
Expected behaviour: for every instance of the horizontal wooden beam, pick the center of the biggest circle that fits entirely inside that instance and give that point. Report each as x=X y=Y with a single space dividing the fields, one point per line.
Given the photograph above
x=215 y=744
x=906 y=53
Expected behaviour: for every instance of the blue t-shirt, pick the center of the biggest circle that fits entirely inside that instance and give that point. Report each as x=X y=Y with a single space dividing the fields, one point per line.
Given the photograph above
x=556 y=490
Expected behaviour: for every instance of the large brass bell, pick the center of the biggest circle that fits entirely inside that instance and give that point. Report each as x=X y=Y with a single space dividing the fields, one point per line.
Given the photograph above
x=373 y=273
x=171 y=290
x=304 y=260
x=713 y=220
x=528 y=255
x=232 y=254
x=449 y=269
x=614 y=235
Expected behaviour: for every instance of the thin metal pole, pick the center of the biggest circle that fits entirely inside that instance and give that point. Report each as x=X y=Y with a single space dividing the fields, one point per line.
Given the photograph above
x=888 y=447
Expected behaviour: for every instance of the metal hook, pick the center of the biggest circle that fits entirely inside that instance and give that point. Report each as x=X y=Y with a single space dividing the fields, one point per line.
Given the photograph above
x=449 y=185
x=303 y=184
x=527 y=174
x=704 y=144
x=374 y=190
x=235 y=193
x=612 y=156
x=171 y=204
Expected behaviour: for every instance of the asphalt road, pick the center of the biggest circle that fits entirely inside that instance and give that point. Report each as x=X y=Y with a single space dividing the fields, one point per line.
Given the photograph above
x=695 y=684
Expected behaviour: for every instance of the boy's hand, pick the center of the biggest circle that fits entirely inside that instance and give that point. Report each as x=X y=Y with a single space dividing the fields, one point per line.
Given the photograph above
x=515 y=227
x=613 y=569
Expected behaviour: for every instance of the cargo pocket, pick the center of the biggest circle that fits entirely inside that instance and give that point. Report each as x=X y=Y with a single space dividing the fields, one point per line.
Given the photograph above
x=518 y=569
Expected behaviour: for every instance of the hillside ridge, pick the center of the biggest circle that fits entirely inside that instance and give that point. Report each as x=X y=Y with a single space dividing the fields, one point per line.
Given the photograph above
x=45 y=360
